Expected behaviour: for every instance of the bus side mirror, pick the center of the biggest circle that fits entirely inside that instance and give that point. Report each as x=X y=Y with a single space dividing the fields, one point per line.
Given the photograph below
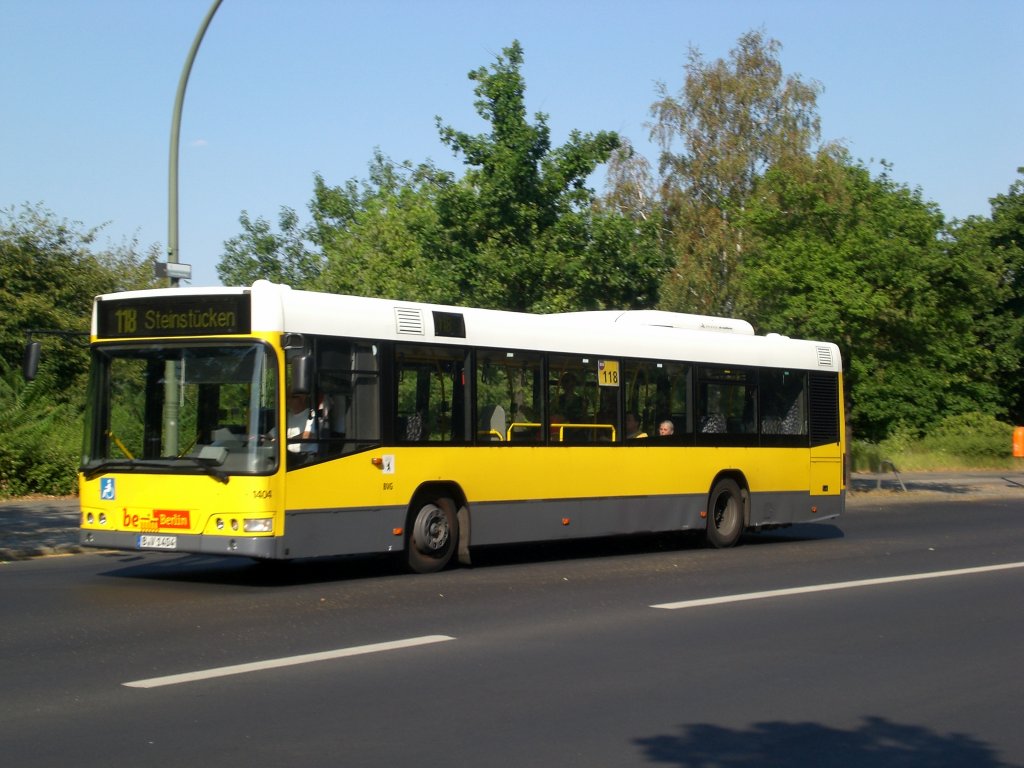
x=302 y=375
x=30 y=363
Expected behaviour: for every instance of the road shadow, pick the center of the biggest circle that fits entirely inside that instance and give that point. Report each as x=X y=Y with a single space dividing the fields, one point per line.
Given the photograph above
x=798 y=532
x=247 y=572
x=244 y=572
x=877 y=742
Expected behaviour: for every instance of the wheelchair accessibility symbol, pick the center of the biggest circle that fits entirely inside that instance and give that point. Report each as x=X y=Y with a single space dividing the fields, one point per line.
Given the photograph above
x=107 y=492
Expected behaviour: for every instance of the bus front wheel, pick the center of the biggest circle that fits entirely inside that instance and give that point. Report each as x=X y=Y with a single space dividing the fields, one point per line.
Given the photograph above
x=725 y=514
x=433 y=536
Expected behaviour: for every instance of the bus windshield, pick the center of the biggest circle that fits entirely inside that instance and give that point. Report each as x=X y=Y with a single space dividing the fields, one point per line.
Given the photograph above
x=187 y=408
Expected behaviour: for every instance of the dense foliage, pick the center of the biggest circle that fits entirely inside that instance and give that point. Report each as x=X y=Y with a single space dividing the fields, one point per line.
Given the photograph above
x=49 y=273
x=746 y=212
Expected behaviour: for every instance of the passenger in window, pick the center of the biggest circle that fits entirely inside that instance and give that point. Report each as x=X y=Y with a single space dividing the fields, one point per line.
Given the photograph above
x=666 y=428
x=571 y=408
x=633 y=429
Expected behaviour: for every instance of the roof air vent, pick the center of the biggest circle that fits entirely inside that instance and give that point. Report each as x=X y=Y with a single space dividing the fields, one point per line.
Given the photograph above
x=408 y=321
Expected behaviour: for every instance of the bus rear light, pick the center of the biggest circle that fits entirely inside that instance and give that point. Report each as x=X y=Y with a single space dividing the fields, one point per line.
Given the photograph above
x=103 y=518
x=566 y=521
x=377 y=461
x=220 y=524
x=259 y=525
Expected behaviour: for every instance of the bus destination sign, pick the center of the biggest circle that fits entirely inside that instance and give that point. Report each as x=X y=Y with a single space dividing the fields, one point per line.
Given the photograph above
x=173 y=316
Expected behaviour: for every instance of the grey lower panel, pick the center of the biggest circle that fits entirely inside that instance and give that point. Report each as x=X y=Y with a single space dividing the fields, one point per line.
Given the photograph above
x=829 y=506
x=324 y=532
x=522 y=521
x=519 y=521
x=785 y=508
x=246 y=546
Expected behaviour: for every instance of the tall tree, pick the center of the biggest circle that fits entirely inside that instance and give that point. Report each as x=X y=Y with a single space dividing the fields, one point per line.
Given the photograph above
x=50 y=270
x=630 y=188
x=520 y=230
x=382 y=237
x=839 y=255
x=996 y=243
x=259 y=253
x=730 y=122
x=523 y=219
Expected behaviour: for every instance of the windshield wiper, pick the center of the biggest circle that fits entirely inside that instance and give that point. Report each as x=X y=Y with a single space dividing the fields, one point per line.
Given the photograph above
x=207 y=465
x=121 y=465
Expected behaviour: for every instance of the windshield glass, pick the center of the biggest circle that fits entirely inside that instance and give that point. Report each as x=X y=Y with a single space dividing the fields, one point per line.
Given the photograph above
x=183 y=408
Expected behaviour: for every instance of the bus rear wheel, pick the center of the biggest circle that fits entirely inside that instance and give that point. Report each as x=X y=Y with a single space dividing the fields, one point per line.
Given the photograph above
x=433 y=536
x=725 y=514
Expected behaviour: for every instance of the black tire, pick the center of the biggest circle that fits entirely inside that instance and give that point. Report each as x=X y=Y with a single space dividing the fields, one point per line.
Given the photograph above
x=433 y=536
x=725 y=514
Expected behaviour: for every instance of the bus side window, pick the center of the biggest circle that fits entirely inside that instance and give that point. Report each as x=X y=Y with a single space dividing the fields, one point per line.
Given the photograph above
x=783 y=402
x=658 y=391
x=430 y=394
x=509 y=397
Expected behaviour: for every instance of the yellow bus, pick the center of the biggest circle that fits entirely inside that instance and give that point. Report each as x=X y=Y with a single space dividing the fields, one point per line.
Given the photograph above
x=275 y=423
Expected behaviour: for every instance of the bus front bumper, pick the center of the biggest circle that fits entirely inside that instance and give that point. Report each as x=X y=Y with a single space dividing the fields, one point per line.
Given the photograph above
x=261 y=547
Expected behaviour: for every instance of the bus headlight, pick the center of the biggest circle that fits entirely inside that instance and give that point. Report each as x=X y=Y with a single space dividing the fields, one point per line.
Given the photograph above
x=259 y=525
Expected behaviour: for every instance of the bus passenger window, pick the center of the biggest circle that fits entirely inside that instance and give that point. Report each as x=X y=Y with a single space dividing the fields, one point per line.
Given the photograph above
x=581 y=411
x=509 y=397
x=727 y=403
x=657 y=392
x=783 y=402
x=430 y=397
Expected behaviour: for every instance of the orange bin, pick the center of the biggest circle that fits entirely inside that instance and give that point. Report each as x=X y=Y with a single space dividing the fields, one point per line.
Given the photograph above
x=1018 y=442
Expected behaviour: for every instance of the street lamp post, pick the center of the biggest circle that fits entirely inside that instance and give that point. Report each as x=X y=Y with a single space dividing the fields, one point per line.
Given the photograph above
x=171 y=268
x=172 y=193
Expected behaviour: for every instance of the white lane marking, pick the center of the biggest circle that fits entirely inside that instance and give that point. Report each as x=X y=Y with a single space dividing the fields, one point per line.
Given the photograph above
x=835 y=586
x=288 y=661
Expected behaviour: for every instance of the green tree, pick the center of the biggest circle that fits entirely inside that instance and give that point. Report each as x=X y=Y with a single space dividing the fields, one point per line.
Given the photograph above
x=729 y=123
x=520 y=230
x=40 y=438
x=49 y=274
x=260 y=253
x=839 y=255
x=50 y=270
x=996 y=245
x=523 y=221
x=382 y=237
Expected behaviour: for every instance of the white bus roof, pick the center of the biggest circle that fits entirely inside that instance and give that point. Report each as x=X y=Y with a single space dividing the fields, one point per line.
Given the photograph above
x=651 y=334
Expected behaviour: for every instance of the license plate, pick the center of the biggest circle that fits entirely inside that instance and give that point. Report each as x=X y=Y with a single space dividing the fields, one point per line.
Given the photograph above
x=158 y=542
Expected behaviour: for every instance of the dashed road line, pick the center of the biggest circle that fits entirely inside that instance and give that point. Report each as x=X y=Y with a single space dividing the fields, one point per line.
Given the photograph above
x=723 y=599
x=287 y=661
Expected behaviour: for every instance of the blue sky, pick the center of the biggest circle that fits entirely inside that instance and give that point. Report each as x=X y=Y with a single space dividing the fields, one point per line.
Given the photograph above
x=283 y=89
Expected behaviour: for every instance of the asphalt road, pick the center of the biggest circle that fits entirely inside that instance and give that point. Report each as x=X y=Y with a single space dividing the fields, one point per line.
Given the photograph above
x=573 y=655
